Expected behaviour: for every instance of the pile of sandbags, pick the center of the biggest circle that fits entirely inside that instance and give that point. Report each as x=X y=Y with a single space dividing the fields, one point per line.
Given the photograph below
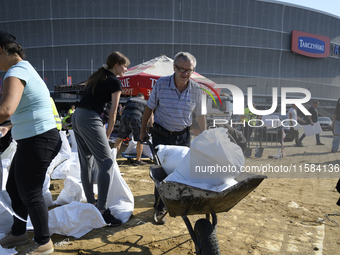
x=66 y=166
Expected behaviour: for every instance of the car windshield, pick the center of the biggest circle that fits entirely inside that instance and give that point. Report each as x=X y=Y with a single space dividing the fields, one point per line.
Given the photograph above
x=324 y=119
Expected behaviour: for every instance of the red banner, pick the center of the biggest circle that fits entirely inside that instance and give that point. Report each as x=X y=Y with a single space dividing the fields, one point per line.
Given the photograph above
x=134 y=84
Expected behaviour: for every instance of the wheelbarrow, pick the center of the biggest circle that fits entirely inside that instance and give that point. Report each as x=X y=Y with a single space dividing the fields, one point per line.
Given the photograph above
x=183 y=200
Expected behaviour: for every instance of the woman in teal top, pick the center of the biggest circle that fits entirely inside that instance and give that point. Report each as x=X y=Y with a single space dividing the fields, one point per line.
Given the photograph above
x=26 y=100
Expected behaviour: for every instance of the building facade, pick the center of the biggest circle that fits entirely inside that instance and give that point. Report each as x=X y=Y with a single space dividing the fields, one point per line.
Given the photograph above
x=239 y=42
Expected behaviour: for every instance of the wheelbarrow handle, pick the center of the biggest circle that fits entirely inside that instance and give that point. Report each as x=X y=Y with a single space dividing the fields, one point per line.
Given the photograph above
x=147 y=141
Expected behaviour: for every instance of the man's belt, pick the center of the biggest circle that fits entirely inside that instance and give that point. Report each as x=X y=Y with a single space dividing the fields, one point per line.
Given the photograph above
x=164 y=132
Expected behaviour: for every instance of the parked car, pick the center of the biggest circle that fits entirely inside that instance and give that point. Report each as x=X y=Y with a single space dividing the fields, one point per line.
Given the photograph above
x=325 y=123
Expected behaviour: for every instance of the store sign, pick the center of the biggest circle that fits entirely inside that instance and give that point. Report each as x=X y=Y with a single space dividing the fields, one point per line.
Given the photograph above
x=336 y=50
x=310 y=45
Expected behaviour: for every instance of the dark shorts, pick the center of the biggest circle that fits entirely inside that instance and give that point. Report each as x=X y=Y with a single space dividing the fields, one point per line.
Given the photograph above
x=130 y=125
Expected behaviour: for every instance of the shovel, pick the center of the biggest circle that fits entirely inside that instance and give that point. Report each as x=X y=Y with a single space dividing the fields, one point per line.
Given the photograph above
x=259 y=151
x=247 y=151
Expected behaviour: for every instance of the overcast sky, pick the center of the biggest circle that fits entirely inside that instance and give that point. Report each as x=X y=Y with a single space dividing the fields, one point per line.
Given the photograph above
x=330 y=6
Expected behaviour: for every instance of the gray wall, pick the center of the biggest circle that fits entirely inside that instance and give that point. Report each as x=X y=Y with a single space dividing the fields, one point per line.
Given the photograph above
x=235 y=41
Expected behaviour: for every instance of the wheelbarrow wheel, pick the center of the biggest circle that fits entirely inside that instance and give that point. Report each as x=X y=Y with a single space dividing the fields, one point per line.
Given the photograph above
x=207 y=242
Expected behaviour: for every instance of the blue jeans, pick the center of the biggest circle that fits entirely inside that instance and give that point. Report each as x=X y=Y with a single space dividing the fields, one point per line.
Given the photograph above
x=25 y=182
x=336 y=138
x=181 y=140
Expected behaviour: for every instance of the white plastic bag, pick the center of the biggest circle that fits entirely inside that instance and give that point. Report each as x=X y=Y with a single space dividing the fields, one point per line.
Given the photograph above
x=75 y=219
x=5 y=200
x=3 y=176
x=46 y=191
x=147 y=151
x=132 y=148
x=74 y=147
x=312 y=130
x=63 y=154
x=5 y=216
x=5 y=251
x=213 y=160
x=72 y=191
x=170 y=156
x=57 y=161
x=8 y=154
x=120 y=198
x=65 y=146
x=70 y=167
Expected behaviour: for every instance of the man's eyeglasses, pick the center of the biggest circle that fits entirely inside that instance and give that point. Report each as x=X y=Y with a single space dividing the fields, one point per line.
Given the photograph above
x=182 y=70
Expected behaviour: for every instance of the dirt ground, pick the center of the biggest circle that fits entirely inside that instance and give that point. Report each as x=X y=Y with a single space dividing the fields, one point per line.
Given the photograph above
x=279 y=217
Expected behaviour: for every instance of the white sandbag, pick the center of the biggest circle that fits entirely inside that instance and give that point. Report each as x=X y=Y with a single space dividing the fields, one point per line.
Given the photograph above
x=72 y=191
x=147 y=151
x=75 y=219
x=6 y=203
x=74 y=147
x=63 y=154
x=6 y=163
x=3 y=174
x=132 y=148
x=10 y=151
x=65 y=146
x=120 y=198
x=6 y=211
x=57 y=161
x=5 y=251
x=5 y=216
x=46 y=191
x=70 y=167
x=170 y=156
x=213 y=160
x=312 y=130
